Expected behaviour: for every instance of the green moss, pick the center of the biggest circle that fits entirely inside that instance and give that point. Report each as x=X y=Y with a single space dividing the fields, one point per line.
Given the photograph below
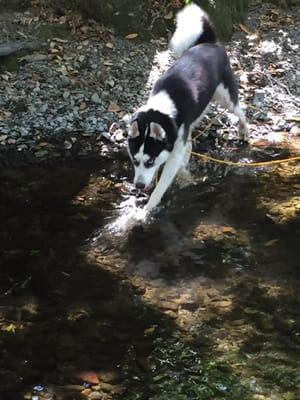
x=11 y=63
x=179 y=372
x=49 y=31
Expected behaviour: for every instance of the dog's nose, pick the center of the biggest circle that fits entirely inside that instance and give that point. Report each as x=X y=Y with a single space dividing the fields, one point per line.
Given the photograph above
x=140 y=185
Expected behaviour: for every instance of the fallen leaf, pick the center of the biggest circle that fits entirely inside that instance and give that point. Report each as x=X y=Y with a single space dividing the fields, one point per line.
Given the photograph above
x=3 y=137
x=109 y=45
x=108 y=63
x=59 y=40
x=43 y=144
x=294 y=118
x=273 y=11
x=82 y=106
x=88 y=376
x=261 y=143
x=114 y=107
x=228 y=229
x=271 y=242
x=131 y=35
x=150 y=330
x=11 y=328
x=54 y=51
x=41 y=153
x=86 y=392
x=245 y=29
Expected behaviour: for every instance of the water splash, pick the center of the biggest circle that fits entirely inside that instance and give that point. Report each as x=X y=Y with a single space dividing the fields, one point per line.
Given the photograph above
x=130 y=214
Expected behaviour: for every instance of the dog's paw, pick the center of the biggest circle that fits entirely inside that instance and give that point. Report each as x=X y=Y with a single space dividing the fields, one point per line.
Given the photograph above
x=244 y=133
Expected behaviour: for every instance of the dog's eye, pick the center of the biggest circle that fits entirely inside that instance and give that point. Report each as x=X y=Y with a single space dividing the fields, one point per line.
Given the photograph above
x=149 y=163
x=135 y=162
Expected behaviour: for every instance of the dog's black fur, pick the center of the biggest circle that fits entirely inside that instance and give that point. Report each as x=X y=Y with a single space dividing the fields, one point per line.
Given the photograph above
x=192 y=81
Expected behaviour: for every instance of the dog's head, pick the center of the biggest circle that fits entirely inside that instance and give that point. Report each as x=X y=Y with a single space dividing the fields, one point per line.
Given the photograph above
x=150 y=142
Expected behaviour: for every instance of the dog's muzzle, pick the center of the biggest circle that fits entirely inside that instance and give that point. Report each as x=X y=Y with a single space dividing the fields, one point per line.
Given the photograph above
x=140 y=185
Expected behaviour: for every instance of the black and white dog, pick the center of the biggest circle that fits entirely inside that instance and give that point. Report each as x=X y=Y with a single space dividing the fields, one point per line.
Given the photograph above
x=160 y=132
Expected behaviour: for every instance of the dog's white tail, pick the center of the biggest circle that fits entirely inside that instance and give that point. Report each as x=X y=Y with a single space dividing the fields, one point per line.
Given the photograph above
x=193 y=27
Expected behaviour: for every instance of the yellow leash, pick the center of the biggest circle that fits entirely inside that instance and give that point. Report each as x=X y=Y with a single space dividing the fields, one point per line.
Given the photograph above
x=240 y=164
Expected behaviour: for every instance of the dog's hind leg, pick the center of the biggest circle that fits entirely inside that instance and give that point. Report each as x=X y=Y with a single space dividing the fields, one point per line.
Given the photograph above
x=226 y=95
x=243 y=127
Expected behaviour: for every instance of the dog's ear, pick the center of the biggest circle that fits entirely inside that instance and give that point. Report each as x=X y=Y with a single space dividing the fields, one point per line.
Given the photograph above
x=157 y=132
x=133 y=130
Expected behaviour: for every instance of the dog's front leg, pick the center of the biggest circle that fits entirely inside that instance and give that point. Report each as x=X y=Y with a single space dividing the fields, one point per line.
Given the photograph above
x=169 y=172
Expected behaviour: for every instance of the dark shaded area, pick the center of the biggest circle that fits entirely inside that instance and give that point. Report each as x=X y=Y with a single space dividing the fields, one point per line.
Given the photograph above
x=69 y=312
x=143 y=17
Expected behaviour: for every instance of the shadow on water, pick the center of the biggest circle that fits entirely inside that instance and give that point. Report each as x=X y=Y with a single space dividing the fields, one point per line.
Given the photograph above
x=61 y=312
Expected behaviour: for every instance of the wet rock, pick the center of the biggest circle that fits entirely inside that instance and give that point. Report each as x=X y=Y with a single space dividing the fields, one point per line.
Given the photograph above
x=109 y=376
x=168 y=305
x=86 y=392
x=147 y=269
x=114 y=389
x=96 y=396
x=64 y=81
x=224 y=303
x=11 y=141
x=171 y=314
x=213 y=293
